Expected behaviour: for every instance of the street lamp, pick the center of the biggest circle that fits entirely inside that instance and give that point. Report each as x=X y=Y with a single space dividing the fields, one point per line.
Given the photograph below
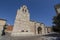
x=57 y=8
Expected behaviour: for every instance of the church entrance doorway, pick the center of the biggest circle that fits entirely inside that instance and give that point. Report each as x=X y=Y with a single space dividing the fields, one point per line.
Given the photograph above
x=39 y=30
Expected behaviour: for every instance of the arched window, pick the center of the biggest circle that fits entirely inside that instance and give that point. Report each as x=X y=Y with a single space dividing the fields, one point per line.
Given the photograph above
x=24 y=10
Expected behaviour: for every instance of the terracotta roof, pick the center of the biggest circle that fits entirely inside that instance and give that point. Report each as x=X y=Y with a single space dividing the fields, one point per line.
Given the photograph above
x=3 y=19
x=9 y=28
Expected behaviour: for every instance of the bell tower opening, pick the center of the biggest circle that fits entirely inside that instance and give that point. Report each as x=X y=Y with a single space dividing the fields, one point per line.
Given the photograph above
x=24 y=9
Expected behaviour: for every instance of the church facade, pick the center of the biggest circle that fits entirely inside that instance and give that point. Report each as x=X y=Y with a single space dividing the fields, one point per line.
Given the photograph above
x=24 y=26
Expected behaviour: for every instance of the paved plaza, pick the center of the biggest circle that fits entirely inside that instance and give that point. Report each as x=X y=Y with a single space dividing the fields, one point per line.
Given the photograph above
x=33 y=37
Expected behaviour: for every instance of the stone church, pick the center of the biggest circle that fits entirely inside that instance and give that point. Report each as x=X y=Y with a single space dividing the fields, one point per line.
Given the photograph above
x=24 y=26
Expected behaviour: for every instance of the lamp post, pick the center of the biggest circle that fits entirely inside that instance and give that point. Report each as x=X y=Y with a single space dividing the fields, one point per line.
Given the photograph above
x=57 y=8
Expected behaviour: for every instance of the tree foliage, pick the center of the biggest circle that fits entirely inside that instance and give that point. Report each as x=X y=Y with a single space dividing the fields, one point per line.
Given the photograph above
x=3 y=31
x=56 y=22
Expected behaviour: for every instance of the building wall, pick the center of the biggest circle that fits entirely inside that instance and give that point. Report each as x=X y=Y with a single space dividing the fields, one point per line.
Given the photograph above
x=2 y=23
x=32 y=26
x=48 y=30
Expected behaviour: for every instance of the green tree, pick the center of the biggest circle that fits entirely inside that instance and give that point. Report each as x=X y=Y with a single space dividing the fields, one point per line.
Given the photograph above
x=56 y=22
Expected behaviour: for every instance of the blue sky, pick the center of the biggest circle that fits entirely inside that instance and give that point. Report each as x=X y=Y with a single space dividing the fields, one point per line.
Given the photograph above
x=40 y=10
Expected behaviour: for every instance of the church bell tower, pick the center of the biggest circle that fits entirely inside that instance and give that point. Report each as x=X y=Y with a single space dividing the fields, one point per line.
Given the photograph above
x=21 y=25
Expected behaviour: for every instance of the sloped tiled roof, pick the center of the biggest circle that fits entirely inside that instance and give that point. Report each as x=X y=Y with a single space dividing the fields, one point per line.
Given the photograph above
x=9 y=28
x=3 y=19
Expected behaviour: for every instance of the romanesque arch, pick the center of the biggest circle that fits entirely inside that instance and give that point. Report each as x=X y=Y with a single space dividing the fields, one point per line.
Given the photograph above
x=39 y=30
